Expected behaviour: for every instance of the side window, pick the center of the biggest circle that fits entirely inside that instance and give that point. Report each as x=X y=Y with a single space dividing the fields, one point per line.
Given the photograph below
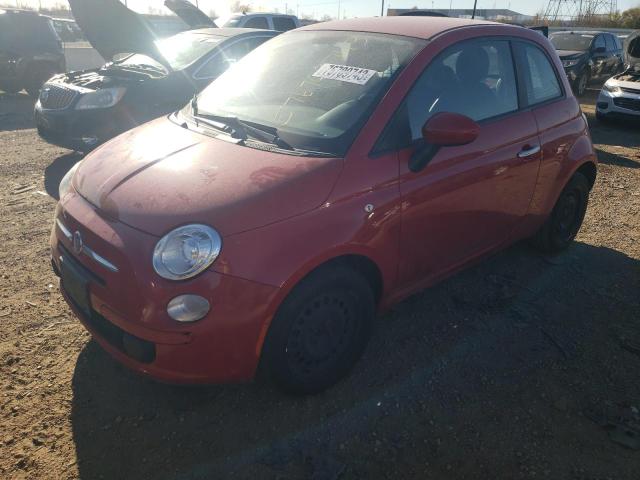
x=474 y=78
x=257 y=22
x=618 y=43
x=540 y=80
x=599 y=42
x=222 y=60
x=611 y=43
x=283 y=24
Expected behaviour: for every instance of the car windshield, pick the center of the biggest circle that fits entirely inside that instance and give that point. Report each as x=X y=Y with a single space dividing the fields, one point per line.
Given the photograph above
x=316 y=88
x=571 y=41
x=180 y=50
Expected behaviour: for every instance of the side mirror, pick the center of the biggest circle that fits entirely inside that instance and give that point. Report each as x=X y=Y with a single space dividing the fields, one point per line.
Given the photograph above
x=445 y=129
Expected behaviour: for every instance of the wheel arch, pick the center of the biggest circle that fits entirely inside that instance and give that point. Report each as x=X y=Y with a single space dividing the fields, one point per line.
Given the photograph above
x=589 y=170
x=355 y=259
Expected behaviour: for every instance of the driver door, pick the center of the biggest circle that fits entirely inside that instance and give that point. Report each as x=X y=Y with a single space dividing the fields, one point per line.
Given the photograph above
x=468 y=198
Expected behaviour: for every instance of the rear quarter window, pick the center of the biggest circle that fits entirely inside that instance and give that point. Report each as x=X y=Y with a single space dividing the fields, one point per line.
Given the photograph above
x=540 y=79
x=283 y=24
x=257 y=22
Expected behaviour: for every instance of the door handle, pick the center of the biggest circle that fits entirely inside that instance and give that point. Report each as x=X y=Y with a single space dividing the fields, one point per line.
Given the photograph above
x=528 y=151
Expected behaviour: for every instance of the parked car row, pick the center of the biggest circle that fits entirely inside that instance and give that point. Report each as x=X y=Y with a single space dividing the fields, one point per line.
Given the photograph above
x=620 y=95
x=30 y=51
x=324 y=176
x=588 y=56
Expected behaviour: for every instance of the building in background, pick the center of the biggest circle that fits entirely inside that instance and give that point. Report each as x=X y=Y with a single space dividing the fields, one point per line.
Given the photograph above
x=495 y=14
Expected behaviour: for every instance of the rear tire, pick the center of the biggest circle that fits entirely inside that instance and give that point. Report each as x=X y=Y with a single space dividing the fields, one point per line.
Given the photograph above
x=10 y=87
x=581 y=83
x=36 y=78
x=565 y=220
x=320 y=330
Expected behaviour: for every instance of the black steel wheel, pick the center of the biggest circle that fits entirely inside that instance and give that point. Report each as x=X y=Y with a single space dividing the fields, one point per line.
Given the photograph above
x=565 y=220
x=320 y=331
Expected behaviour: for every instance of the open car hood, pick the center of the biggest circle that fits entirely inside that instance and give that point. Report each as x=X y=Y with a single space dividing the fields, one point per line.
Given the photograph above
x=112 y=29
x=190 y=14
x=632 y=51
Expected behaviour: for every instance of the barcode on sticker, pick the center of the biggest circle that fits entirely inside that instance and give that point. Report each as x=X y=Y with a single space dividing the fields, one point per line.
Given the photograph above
x=344 y=73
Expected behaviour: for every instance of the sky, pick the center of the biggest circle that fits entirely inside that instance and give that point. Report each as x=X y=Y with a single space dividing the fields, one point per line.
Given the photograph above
x=347 y=8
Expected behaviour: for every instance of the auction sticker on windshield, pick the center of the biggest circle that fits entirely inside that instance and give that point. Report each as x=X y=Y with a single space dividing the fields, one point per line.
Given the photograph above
x=345 y=73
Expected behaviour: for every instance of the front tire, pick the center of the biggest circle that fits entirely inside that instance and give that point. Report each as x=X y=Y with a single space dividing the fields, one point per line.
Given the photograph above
x=565 y=220
x=320 y=330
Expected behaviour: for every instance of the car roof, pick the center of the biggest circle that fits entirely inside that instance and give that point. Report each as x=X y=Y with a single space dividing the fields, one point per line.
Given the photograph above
x=581 y=32
x=20 y=11
x=232 y=32
x=408 y=26
x=261 y=14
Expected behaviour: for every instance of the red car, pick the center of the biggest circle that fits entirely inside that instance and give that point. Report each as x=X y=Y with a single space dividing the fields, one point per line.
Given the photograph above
x=332 y=172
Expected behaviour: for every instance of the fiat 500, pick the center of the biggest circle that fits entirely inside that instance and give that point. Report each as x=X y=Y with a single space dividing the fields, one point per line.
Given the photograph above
x=333 y=171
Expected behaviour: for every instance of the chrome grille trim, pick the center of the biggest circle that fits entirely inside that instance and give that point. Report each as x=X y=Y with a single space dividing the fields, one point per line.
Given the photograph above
x=628 y=103
x=631 y=90
x=64 y=229
x=56 y=97
x=89 y=252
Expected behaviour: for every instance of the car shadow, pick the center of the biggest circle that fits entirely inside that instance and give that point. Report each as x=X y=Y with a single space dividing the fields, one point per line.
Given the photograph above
x=467 y=353
x=56 y=170
x=16 y=111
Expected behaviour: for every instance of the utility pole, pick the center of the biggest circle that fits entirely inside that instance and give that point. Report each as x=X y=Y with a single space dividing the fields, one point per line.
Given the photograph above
x=475 y=4
x=382 y=11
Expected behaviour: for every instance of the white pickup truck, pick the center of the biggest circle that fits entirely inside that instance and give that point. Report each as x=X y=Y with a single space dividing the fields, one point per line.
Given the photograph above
x=266 y=21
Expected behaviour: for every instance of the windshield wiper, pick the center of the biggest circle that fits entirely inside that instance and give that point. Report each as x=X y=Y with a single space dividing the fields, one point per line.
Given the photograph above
x=241 y=129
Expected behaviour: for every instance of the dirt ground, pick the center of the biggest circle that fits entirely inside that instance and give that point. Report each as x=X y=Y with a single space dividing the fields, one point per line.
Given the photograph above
x=523 y=367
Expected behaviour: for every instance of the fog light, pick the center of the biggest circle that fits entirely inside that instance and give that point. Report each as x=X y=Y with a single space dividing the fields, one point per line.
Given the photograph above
x=188 y=308
x=603 y=105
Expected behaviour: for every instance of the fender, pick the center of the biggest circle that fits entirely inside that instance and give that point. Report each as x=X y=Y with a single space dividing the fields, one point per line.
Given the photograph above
x=314 y=263
x=581 y=153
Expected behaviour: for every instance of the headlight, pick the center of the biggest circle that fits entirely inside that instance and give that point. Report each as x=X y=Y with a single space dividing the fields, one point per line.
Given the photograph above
x=65 y=183
x=186 y=251
x=609 y=86
x=570 y=63
x=105 y=98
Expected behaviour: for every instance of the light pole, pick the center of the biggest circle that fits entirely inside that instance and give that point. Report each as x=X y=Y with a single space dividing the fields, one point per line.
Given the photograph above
x=382 y=11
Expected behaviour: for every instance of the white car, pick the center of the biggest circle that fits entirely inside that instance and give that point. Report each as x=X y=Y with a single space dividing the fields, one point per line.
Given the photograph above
x=264 y=21
x=620 y=95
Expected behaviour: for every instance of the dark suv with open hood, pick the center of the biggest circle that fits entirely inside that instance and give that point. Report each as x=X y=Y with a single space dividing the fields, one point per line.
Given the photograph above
x=30 y=51
x=588 y=56
x=146 y=77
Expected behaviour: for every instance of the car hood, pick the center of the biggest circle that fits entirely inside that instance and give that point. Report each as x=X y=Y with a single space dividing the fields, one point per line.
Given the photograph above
x=190 y=14
x=161 y=175
x=632 y=50
x=570 y=54
x=112 y=29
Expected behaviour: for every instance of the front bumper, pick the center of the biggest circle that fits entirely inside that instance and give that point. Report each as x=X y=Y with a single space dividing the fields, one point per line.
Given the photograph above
x=128 y=316
x=618 y=104
x=81 y=130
